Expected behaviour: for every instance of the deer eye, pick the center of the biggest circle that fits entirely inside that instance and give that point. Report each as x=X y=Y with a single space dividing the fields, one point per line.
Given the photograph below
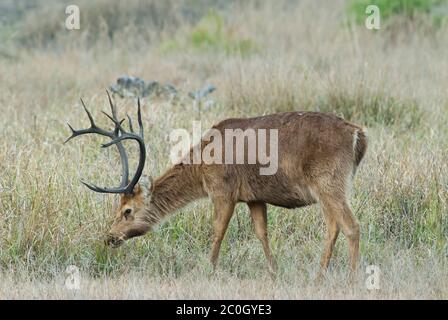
x=127 y=212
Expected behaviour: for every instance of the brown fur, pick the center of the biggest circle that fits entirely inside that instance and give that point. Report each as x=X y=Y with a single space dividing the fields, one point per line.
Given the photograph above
x=318 y=154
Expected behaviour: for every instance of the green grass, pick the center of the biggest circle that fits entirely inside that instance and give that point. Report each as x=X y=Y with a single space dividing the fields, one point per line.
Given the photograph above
x=390 y=9
x=211 y=33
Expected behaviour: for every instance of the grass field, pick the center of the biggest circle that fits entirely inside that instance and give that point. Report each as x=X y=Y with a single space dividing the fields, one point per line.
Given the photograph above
x=263 y=57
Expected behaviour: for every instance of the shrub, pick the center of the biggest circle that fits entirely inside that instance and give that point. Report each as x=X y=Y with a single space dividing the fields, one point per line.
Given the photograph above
x=211 y=34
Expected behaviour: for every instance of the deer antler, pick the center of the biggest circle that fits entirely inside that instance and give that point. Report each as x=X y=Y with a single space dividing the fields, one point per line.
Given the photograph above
x=117 y=135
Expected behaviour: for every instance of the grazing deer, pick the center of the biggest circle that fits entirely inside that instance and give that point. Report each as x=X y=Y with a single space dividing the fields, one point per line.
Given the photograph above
x=318 y=154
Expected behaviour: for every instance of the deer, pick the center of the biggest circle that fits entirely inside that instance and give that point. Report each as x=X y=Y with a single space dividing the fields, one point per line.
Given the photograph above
x=318 y=154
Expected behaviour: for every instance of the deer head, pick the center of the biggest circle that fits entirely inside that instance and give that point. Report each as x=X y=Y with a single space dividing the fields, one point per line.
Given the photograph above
x=130 y=218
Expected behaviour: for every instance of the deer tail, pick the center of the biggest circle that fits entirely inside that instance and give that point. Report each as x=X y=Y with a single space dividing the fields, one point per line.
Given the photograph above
x=359 y=145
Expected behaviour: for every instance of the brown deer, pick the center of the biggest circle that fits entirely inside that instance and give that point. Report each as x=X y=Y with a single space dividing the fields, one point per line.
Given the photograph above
x=318 y=154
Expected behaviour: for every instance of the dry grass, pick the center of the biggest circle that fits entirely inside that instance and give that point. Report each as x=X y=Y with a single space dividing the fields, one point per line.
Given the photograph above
x=303 y=57
x=398 y=281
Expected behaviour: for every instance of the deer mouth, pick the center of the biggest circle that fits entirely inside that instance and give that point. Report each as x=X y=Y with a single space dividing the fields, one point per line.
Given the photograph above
x=114 y=242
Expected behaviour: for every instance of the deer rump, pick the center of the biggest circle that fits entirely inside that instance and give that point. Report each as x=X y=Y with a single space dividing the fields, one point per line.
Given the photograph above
x=318 y=153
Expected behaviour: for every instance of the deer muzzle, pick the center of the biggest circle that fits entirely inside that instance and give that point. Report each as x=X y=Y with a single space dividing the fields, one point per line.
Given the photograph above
x=114 y=241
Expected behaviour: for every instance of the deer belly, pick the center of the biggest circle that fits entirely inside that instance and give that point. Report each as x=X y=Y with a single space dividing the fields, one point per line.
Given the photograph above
x=291 y=204
x=291 y=198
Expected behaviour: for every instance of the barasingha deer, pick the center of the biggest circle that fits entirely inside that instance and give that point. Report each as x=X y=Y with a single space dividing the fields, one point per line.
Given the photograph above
x=318 y=154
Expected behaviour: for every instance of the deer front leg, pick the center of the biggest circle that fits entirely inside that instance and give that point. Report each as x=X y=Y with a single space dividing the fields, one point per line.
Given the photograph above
x=258 y=212
x=223 y=207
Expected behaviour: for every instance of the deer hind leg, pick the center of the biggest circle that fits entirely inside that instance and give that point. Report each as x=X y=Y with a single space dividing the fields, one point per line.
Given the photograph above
x=223 y=212
x=258 y=212
x=337 y=209
x=330 y=239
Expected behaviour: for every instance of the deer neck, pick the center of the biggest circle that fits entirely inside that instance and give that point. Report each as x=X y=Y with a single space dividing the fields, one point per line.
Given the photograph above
x=173 y=190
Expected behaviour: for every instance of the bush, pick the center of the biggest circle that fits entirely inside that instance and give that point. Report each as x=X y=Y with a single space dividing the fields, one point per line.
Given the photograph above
x=211 y=34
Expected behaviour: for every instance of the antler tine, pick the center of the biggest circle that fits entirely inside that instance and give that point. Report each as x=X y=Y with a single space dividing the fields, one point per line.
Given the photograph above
x=93 y=128
x=113 y=119
x=112 y=107
x=72 y=135
x=92 y=122
x=140 y=123
x=117 y=123
x=131 y=129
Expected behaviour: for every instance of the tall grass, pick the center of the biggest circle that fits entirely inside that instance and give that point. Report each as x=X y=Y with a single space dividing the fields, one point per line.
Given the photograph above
x=305 y=59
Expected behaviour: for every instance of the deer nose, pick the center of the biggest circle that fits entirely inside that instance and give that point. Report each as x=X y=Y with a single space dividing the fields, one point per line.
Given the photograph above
x=113 y=241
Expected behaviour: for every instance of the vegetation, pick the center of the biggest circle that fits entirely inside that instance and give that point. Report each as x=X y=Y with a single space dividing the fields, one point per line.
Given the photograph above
x=390 y=9
x=263 y=57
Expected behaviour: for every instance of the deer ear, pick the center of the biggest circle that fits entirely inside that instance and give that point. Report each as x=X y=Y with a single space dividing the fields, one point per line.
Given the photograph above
x=144 y=185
